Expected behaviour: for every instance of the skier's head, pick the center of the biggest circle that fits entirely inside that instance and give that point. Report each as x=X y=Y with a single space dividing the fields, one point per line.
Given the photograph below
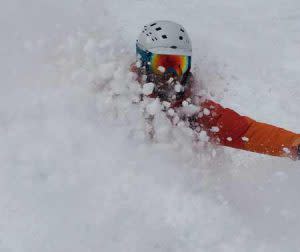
x=164 y=50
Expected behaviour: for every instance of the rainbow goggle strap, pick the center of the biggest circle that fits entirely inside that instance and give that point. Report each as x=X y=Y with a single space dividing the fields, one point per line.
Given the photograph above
x=161 y=64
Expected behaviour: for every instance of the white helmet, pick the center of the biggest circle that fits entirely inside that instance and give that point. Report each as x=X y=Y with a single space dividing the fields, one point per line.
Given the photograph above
x=165 y=37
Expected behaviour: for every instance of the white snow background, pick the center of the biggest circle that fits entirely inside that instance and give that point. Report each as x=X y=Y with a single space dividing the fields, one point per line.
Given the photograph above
x=77 y=171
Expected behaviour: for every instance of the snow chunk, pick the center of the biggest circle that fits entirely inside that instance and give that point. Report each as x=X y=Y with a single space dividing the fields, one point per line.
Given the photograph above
x=166 y=104
x=181 y=124
x=138 y=64
x=229 y=139
x=185 y=103
x=245 y=139
x=171 y=112
x=190 y=109
x=206 y=111
x=214 y=129
x=136 y=99
x=176 y=119
x=144 y=77
x=170 y=80
x=153 y=107
x=161 y=69
x=203 y=136
x=148 y=88
x=178 y=87
x=286 y=150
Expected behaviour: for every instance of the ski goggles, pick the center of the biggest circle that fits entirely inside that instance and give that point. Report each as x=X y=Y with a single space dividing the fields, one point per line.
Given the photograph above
x=165 y=65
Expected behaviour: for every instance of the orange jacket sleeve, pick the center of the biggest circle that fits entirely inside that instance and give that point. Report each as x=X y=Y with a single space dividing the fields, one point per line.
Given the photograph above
x=226 y=127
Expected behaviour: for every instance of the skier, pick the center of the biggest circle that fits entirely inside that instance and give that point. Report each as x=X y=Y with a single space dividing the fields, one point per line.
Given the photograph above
x=164 y=53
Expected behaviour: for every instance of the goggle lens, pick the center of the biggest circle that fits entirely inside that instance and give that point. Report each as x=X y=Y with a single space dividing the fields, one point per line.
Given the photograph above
x=177 y=65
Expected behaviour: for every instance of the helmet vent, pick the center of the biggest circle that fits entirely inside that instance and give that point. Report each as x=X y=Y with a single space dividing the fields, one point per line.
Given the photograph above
x=165 y=37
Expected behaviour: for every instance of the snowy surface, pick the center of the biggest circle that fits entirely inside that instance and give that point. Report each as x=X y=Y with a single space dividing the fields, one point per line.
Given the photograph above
x=78 y=172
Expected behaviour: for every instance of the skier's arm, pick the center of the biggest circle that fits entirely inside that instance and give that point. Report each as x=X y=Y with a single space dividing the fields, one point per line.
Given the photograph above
x=226 y=127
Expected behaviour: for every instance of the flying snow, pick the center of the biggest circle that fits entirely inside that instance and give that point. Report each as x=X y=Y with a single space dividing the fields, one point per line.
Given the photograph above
x=148 y=88
x=161 y=69
x=87 y=165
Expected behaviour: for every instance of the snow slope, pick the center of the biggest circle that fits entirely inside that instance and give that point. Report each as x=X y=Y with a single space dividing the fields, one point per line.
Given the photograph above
x=77 y=169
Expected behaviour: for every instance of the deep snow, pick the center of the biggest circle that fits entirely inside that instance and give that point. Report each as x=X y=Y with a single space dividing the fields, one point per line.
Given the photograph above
x=78 y=171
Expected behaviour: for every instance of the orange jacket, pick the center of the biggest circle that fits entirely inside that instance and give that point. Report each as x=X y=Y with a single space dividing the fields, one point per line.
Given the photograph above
x=226 y=127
